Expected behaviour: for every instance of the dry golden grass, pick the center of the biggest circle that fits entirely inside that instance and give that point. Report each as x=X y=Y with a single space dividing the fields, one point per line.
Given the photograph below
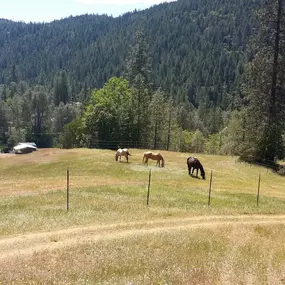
x=109 y=236
x=45 y=170
x=237 y=254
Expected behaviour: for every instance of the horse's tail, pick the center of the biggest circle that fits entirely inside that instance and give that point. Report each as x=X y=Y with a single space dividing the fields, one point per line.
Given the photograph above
x=163 y=161
x=143 y=158
x=116 y=156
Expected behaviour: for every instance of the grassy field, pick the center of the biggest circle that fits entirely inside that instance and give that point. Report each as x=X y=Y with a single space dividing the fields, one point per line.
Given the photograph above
x=110 y=236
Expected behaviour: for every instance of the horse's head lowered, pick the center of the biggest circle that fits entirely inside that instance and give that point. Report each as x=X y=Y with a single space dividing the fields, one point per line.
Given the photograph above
x=122 y=152
x=202 y=172
x=194 y=163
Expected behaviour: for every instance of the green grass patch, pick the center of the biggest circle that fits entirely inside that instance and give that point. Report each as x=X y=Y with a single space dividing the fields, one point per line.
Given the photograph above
x=33 y=189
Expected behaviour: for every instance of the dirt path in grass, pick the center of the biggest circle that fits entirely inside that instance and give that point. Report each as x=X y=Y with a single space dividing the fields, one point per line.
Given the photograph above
x=27 y=244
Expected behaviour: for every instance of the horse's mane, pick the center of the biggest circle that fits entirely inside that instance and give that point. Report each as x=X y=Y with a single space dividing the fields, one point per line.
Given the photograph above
x=146 y=153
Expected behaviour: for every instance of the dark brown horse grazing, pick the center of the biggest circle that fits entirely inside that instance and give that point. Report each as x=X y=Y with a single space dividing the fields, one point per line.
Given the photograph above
x=194 y=163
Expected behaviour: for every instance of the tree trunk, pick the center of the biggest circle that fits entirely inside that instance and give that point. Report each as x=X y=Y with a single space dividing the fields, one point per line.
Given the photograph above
x=169 y=128
x=272 y=107
x=271 y=133
x=155 y=132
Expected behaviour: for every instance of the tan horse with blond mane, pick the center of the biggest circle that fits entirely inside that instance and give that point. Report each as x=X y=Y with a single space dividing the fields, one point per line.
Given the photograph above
x=154 y=156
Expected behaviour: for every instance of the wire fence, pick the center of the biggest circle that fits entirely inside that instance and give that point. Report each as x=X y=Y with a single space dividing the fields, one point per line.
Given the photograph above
x=79 y=180
x=127 y=144
x=50 y=140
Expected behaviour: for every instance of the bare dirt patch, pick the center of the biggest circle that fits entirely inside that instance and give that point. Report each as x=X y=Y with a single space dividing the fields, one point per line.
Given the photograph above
x=44 y=155
x=6 y=155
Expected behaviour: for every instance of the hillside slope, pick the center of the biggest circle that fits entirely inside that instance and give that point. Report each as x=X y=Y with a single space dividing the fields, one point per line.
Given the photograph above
x=197 y=47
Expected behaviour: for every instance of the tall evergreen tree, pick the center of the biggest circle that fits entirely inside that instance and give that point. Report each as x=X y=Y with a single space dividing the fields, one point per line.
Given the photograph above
x=39 y=109
x=13 y=74
x=3 y=121
x=170 y=116
x=15 y=105
x=62 y=115
x=158 y=117
x=61 y=92
x=266 y=86
x=138 y=73
x=4 y=93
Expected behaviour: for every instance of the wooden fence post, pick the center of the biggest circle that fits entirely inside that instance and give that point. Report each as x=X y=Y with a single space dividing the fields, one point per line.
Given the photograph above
x=67 y=189
x=210 y=188
x=148 y=190
x=258 y=190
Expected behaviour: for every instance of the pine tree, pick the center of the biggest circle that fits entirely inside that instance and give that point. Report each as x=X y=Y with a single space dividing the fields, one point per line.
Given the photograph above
x=13 y=75
x=157 y=117
x=39 y=109
x=3 y=121
x=138 y=73
x=138 y=62
x=266 y=87
x=170 y=117
x=61 y=92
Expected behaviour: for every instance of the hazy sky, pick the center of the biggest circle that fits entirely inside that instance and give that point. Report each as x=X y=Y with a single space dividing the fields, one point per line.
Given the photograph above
x=48 y=10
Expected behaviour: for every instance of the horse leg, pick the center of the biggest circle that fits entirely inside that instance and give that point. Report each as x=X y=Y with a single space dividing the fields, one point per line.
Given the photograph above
x=127 y=157
x=197 y=172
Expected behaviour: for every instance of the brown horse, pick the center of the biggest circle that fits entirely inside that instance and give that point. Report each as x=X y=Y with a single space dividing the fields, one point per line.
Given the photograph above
x=194 y=163
x=155 y=156
x=122 y=152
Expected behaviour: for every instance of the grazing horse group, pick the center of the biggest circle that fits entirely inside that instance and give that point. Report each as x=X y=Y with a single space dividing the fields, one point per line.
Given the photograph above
x=146 y=156
x=193 y=163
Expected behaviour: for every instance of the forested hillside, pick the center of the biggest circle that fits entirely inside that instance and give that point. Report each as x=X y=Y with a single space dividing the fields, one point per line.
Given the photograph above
x=189 y=54
x=193 y=44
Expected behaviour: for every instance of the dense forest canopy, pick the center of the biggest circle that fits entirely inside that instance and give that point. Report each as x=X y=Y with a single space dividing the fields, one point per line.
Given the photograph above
x=193 y=44
x=190 y=57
